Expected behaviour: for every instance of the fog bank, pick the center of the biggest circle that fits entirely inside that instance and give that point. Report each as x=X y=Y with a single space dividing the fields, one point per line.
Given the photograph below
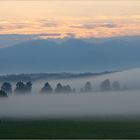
x=96 y=103
x=71 y=105
x=129 y=78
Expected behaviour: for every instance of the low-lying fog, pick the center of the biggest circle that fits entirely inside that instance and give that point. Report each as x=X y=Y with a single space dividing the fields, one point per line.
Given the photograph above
x=129 y=78
x=97 y=103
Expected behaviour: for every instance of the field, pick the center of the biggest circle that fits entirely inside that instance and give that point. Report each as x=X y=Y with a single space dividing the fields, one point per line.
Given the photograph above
x=70 y=129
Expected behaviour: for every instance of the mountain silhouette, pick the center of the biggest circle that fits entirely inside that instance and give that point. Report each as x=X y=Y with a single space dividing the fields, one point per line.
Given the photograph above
x=70 y=55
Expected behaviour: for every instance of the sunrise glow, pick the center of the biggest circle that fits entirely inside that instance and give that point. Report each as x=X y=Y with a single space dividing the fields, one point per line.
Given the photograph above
x=79 y=19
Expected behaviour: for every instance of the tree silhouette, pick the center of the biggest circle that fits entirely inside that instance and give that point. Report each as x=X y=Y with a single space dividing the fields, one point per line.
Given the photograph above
x=105 y=85
x=29 y=86
x=63 y=89
x=58 y=88
x=47 y=88
x=23 y=88
x=66 y=89
x=20 y=87
x=116 y=85
x=7 y=87
x=88 y=87
x=3 y=93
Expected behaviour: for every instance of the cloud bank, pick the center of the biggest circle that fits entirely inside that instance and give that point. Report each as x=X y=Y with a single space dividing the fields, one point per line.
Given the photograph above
x=85 y=27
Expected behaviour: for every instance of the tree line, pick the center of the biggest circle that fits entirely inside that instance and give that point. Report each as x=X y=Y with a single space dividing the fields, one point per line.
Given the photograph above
x=22 y=87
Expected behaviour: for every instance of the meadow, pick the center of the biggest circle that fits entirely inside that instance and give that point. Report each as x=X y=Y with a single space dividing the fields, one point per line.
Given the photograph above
x=65 y=129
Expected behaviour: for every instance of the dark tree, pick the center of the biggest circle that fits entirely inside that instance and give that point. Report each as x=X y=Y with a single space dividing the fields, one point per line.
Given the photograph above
x=116 y=85
x=29 y=86
x=88 y=87
x=105 y=85
x=58 y=88
x=7 y=87
x=66 y=89
x=3 y=93
x=47 y=88
x=20 y=87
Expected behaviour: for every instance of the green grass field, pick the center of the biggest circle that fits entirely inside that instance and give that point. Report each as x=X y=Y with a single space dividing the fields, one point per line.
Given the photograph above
x=70 y=129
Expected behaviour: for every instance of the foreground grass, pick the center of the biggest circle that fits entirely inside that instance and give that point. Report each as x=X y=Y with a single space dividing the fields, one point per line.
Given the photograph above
x=70 y=129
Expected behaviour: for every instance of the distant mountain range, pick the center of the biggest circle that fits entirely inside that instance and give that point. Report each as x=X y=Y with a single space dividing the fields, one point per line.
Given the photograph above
x=70 y=55
x=50 y=76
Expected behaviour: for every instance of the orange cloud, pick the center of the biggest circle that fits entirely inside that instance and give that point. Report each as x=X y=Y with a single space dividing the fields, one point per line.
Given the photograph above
x=97 y=26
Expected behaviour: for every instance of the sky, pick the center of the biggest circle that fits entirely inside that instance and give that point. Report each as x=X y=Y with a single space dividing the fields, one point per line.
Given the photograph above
x=79 y=19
